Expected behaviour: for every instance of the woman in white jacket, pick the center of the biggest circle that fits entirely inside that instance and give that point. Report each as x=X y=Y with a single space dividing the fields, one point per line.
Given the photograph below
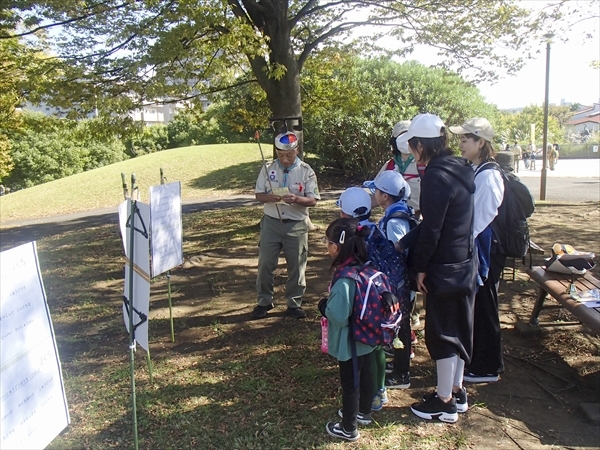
x=475 y=145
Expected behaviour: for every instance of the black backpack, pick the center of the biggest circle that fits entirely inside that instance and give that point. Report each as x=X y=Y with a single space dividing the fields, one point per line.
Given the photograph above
x=510 y=225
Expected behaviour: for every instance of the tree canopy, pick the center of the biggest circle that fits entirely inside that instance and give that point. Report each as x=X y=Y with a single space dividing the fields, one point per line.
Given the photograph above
x=113 y=54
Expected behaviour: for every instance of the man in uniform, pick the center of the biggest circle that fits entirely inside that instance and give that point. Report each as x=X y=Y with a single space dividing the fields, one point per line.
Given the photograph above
x=287 y=187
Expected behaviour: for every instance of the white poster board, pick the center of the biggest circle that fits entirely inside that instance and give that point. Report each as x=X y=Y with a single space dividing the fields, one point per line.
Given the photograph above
x=141 y=303
x=166 y=227
x=33 y=407
x=140 y=220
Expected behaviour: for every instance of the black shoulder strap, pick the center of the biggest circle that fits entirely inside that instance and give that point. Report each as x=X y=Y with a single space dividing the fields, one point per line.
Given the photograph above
x=488 y=165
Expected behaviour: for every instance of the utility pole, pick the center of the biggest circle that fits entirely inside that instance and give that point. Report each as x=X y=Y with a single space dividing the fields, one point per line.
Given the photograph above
x=545 y=140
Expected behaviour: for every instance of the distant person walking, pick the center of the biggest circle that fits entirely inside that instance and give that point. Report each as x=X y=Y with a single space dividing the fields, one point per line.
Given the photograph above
x=550 y=156
x=527 y=155
x=287 y=187
x=518 y=155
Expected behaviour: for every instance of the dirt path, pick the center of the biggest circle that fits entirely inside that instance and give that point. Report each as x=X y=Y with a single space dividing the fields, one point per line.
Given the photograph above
x=537 y=402
x=535 y=405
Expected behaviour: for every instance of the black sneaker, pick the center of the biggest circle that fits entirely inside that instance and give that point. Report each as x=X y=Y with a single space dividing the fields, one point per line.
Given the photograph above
x=389 y=367
x=296 y=313
x=362 y=419
x=393 y=381
x=260 y=312
x=462 y=406
x=337 y=430
x=473 y=378
x=435 y=408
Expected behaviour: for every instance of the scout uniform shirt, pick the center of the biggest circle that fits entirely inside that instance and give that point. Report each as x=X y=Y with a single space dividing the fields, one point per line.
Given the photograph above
x=299 y=178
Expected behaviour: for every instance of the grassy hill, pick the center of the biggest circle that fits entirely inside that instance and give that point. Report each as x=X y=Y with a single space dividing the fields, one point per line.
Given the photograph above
x=204 y=171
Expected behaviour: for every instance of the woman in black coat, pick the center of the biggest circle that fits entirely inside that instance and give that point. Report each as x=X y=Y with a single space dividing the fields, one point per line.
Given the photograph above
x=444 y=260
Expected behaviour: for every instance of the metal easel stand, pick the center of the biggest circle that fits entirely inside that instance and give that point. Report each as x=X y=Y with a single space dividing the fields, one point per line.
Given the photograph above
x=131 y=309
x=133 y=198
x=168 y=275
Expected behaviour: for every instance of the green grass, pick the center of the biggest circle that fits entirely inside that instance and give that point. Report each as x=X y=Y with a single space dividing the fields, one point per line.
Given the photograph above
x=204 y=171
x=227 y=382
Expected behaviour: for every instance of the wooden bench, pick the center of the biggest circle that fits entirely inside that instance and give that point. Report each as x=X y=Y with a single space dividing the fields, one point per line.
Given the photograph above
x=557 y=285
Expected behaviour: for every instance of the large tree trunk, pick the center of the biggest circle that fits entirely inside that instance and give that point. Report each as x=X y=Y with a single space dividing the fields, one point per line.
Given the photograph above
x=283 y=92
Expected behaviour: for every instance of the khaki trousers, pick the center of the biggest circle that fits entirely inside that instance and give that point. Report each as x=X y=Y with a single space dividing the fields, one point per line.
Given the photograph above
x=292 y=238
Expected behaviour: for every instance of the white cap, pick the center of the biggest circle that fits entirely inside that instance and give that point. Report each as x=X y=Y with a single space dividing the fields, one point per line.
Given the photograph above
x=423 y=126
x=390 y=182
x=399 y=129
x=354 y=202
x=477 y=126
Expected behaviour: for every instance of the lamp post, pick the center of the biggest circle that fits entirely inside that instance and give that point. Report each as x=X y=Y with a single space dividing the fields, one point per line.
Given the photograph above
x=545 y=139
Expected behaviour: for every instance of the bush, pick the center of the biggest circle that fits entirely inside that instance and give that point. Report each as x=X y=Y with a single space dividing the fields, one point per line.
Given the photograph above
x=579 y=151
x=48 y=148
x=150 y=139
x=351 y=133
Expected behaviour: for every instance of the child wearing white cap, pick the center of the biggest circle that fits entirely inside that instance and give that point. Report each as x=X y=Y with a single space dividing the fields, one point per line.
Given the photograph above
x=476 y=145
x=444 y=258
x=355 y=203
x=404 y=163
x=391 y=192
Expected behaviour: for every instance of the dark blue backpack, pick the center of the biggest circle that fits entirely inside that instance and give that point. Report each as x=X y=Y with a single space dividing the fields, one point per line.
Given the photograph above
x=376 y=313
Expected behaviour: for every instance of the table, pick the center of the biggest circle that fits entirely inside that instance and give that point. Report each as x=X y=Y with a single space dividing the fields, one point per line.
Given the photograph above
x=557 y=285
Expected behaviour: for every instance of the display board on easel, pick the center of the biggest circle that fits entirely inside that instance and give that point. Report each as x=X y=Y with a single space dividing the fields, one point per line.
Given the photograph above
x=166 y=227
x=33 y=407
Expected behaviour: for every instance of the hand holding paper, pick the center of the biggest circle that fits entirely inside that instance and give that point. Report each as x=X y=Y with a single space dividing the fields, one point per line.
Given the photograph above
x=280 y=192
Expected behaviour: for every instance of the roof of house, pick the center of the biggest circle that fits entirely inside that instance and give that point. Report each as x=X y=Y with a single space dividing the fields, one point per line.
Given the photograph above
x=584 y=109
x=592 y=119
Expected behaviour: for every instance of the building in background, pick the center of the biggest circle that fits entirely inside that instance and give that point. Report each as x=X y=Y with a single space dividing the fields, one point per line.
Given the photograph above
x=585 y=121
x=158 y=112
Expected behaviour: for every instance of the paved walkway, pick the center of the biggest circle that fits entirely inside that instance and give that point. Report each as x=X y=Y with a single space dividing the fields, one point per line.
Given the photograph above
x=576 y=180
x=566 y=168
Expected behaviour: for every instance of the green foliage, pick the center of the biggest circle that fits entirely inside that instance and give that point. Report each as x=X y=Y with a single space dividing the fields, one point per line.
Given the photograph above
x=243 y=110
x=6 y=162
x=48 y=148
x=213 y=126
x=516 y=127
x=148 y=139
x=21 y=72
x=365 y=98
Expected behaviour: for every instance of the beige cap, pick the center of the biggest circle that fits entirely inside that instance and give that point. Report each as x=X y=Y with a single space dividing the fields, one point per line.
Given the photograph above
x=477 y=126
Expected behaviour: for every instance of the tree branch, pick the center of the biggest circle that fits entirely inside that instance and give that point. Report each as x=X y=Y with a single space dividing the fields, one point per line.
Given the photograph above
x=65 y=22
